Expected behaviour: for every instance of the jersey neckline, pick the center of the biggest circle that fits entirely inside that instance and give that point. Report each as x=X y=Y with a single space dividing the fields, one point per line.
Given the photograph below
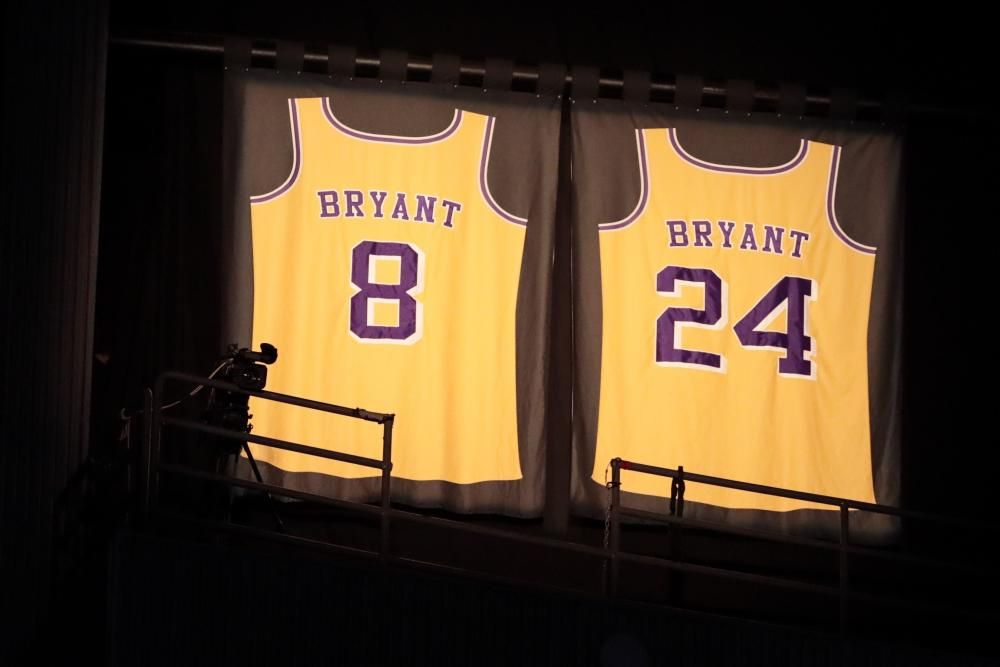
x=737 y=169
x=339 y=125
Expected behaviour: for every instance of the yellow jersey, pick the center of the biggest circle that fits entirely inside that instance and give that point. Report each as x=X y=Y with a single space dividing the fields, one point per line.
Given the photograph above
x=735 y=319
x=387 y=276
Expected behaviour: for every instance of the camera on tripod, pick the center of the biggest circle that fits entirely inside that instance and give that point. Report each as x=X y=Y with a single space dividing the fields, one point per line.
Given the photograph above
x=243 y=369
x=246 y=369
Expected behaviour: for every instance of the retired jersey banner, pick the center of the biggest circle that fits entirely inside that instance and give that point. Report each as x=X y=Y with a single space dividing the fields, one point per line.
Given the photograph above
x=737 y=309
x=396 y=245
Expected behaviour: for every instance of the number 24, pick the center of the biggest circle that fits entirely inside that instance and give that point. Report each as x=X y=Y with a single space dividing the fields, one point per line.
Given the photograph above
x=790 y=293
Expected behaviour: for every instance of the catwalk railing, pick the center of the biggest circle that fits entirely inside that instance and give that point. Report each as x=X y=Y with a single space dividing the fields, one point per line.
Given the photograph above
x=841 y=592
x=611 y=555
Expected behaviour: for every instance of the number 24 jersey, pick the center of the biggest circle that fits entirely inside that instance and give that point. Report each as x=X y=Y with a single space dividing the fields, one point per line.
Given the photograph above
x=734 y=335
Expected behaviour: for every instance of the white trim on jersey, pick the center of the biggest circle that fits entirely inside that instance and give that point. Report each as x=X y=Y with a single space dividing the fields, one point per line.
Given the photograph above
x=831 y=212
x=643 y=201
x=343 y=128
x=293 y=175
x=797 y=160
x=484 y=183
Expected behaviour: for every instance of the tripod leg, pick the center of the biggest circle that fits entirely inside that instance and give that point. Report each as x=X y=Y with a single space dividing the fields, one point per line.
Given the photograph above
x=270 y=501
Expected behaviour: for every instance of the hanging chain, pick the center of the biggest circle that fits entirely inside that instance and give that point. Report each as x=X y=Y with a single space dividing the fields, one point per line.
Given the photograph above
x=607 y=517
x=607 y=529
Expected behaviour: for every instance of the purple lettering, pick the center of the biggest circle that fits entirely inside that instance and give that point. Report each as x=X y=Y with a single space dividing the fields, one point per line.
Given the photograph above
x=408 y=329
x=667 y=334
x=328 y=206
x=425 y=208
x=399 y=212
x=377 y=200
x=772 y=238
x=352 y=203
x=800 y=238
x=702 y=233
x=795 y=292
x=452 y=206
x=678 y=233
x=727 y=232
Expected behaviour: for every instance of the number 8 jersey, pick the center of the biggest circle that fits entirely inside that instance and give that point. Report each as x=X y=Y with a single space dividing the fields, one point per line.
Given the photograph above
x=387 y=277
x=735 y=319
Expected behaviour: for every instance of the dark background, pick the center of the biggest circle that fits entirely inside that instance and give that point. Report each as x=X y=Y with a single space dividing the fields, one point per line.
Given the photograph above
x=111 y=197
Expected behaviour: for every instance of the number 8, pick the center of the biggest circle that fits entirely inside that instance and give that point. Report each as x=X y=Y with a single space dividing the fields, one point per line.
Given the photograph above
x=409 y=326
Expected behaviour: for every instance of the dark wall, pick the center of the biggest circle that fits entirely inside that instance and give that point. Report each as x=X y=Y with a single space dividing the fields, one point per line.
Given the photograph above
x=939 y=64
x=938 y=56
x=157 y=244
x=53 y=73
x=949 y=463
x=242 y=605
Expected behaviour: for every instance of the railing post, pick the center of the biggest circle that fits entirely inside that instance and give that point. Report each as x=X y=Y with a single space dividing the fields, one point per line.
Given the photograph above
x=615 y=528
x=677 y=493
x=386 y=482
x=844 y=539
x=673 y=576
x=142 y=474
x=156 y=435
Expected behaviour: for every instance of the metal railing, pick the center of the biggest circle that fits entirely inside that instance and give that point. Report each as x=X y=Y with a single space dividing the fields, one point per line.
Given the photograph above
x=610 y=556
x=152 y=466
x=843 y=546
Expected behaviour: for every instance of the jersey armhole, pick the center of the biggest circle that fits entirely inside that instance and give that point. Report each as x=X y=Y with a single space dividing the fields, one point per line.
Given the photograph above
x=293 y=119
x=640 y=206
x=831 y=214
x=484 y=185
